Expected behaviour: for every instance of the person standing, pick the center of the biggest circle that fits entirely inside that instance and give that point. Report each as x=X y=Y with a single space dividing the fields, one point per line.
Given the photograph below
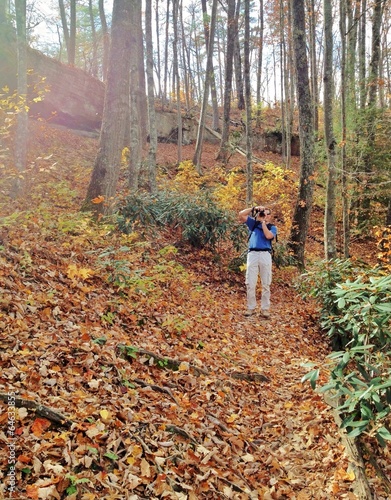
x=259 y=256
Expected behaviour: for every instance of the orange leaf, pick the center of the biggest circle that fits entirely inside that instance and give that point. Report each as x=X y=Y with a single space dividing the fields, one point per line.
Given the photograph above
x=24 y=459
x=39 y=426
x=98 y=199
x=32 y=492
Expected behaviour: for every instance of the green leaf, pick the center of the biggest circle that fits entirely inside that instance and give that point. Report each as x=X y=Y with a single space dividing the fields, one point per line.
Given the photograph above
x=71 y=490
x=356 y=432
x=384 y=433
x=386 y=308
x=111 y=455
x=341 y=303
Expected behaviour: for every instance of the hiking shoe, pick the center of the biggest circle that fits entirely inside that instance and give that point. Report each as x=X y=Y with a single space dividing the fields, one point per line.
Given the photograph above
x=265 y=313
x=249 y=312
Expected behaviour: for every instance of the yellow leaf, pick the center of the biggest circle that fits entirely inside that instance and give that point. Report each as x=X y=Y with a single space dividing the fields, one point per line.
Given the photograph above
x=85 y=273
x=105 y=415
x=74 y=272
x=232 y=418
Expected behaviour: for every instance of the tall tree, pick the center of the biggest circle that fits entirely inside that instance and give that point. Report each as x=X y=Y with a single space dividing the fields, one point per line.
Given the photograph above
x=330 y=212
x=259 y=61
x=175 y=7
x=138 y=110
x=373 y=89
x=158 y=60
x=167 y=35
x=238 y=62
x=215 y=120
x=22 y=117
x=302 y=211
x=69 y=31
x=151 y=98
x=313 y=62
x=344 y=164
x=94 y=62
x=208 y=81
x=231 y=34
x=104 y=179
x=105 y=38
x=247 y=84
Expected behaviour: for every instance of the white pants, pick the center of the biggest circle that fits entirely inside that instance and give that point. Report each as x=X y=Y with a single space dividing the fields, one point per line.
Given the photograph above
x=258 y=263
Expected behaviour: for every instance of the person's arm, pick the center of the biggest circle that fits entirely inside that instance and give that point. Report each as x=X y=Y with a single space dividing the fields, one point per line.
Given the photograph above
x=247 y=211
x=268 y=234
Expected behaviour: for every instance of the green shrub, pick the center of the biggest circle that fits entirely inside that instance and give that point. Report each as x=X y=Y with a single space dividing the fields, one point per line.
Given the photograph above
x=319 y=282
x=202 y=223
x=358 y=313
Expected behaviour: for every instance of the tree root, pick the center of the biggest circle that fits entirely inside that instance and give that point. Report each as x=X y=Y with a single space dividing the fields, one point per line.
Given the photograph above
x=249 y=376
x=41 y=410
x=156 y=388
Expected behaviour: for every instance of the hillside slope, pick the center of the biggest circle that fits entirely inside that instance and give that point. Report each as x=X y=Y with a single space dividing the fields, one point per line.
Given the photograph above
x=152 y=382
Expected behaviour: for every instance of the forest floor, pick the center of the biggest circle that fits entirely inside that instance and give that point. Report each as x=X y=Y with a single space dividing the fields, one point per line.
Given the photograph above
x=162 y=389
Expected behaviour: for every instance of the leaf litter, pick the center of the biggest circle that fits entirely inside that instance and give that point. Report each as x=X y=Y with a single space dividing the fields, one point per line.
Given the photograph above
x=137 y=424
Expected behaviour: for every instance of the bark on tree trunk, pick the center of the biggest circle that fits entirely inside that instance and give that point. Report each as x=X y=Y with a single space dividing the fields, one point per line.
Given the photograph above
x=138 y=101
x=22 y=117
x=231 y=34
x=94 y=62
x=106 y=39
x=259 y=63
x=344 y=166
x=72 y=35
x=247 y=83
x=103 y=183
x=215 y=119
x=238 y=63
x=151 y=98
x=208 y=80
x=330 y=218
x=303 y=206
x=372 y=100
x=175 y=6
x=64 y=24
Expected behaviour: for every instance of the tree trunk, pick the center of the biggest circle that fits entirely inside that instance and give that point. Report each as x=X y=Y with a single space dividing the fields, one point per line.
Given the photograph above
x=94 y=63
x=362 y=54
x=303 y=206
x=313 y=63
x=208 y=79
x=165 y=81
x=215 y=119
x=344 y=165
x=282 y=84
x=72 y=35
x=249 y=165
x=231 y=34
x=175 y=6
x=238 y=62
x=151 y=98
x=22 y=117
x=106 y=39
x=260 y=58
x=372 y=101
x=102 y=188
x=158 y=61
x=186 y=69
x=64 y=24
x=138 y=111
x=330 y=219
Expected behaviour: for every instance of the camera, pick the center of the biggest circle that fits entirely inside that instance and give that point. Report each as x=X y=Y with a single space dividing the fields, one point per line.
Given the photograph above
x=257 y=211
